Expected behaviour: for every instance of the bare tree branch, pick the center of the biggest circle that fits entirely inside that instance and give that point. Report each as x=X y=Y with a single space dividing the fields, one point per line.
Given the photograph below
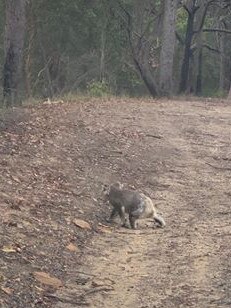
x=211 y=48
x=217 y=30
x=204 y=15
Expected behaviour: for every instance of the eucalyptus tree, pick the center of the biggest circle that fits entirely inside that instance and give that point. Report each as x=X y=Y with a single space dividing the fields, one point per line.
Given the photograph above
x=167 y=52
x=150 y=27
x=201 y=20
x=15 y=21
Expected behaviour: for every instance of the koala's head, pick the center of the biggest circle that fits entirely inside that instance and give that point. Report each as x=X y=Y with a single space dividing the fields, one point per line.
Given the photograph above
x=105 y=190
x=109 y=188
x=117 y=185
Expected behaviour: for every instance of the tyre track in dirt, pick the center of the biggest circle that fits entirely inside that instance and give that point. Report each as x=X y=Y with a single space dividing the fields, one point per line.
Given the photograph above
x=187 y=264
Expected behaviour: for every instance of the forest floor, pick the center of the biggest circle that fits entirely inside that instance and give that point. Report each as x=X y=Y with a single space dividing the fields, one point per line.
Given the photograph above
x=56 y=248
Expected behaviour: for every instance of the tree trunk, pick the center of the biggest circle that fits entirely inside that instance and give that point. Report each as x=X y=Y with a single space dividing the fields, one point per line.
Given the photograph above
x=13 y=46
x=168 y=47
x=102 y=51
x=191 y=7
x=187 y=53
x=229 y=95
x=147 y=78
x=222 y=63
x=199 y=72
x=49 y=89
x=199 y=21
x=141 y=48
x=29 y=50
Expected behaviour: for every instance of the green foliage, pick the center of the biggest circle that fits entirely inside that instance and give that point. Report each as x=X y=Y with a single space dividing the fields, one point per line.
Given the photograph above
x=67 y=43
x=98 y=89
x=219 y=94
x=181 y=21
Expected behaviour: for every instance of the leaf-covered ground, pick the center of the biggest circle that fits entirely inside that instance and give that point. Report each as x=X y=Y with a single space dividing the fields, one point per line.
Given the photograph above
x=56 y=249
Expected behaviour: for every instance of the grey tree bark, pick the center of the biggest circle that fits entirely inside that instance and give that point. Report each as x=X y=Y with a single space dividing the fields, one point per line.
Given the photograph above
x=141 y=45
x=13 y=47
x=222 y=63
x=229 y=95
x=143 y=27
x=168 y=47
x=191 y=9
x=102 y=51
x=199 y=21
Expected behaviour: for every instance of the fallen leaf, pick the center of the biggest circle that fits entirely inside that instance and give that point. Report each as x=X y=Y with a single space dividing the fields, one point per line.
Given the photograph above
x=16 y=179
x=47 y=279
x=3 y=195
x=97 y=283
x=9 y=249
x=72 y=247
x=2 y=277
x=39 y=289
x=7 y=290
x=82 y=224
x=104 y=229
x=105 y=226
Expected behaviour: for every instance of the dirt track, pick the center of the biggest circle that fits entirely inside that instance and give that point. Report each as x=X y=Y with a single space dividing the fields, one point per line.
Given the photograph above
x=176 y=152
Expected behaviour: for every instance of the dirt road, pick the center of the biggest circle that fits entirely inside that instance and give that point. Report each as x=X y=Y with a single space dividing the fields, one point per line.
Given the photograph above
x=179 y=154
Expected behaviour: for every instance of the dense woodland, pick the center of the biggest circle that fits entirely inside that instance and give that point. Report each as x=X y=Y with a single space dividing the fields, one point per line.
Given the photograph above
x=126 y=47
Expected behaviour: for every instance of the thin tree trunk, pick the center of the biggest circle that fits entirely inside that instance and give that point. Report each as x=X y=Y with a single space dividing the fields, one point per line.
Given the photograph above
x=140 y=47
x=102 y=56
x=222 y=63
x=191 y=8
x=199 y=21
x=199 y=52
x=49 y=90
x=13 y=46
x=168 y=47
x=147 y=78
x=229 y=95
x=187 y=53
x=199 y=72
x=29 y=50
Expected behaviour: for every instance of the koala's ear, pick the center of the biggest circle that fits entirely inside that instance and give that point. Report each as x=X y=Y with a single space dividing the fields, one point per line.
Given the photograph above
x=105 y=189
x=118 y=185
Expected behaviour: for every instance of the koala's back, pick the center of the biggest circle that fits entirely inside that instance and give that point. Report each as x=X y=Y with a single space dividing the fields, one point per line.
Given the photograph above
x=126 y=198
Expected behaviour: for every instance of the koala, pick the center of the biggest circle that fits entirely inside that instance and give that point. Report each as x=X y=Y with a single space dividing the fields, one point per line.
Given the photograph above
x=135 y=204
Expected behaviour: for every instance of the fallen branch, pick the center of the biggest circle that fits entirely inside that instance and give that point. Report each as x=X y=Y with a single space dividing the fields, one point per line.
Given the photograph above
x=219 y=168
x=154 y=136
x=98 y=289
x=68 y=300
x=83 y=273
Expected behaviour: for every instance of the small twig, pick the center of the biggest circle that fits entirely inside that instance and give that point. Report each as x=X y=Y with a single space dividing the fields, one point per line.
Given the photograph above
x=154 y=136
x=99 y=289
x=140 y=276
x=138 y=232
x=116 y=151
x=109 y=132
x=95 y=276
x=87 y=274
x=68 y=300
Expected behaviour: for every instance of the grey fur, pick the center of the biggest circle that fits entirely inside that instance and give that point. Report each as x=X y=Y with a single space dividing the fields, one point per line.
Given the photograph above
x=136 y=204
